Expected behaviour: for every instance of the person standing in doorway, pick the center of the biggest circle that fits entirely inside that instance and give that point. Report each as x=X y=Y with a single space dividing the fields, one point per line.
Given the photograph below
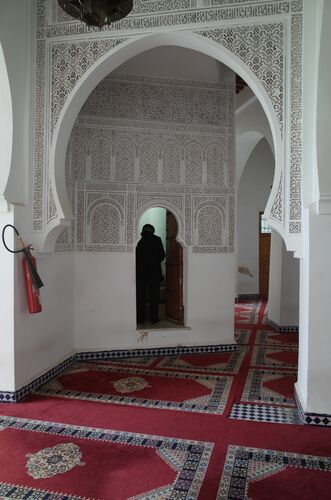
x=149 y=255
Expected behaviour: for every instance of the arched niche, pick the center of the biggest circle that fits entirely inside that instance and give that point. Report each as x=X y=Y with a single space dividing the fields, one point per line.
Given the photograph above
x=165 y=204
x=108 y=63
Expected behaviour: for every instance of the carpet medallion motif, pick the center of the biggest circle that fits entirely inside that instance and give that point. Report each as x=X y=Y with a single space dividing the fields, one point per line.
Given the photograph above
x=178 y=465
x=130 y=384
x=148 y=388
x=55 y=460
x=249 y=473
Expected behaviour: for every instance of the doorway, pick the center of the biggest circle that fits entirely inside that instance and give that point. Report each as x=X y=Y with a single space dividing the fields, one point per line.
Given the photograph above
x=174 y=307
x=264 y=257
x=171 y=307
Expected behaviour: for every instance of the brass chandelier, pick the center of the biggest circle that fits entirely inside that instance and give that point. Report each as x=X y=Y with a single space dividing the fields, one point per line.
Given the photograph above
x=97 y=12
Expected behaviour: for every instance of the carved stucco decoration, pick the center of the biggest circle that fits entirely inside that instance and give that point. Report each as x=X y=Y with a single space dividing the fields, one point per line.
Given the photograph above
x=277 y=207
x=128 y=167
x=260 y=47
x=239 y=20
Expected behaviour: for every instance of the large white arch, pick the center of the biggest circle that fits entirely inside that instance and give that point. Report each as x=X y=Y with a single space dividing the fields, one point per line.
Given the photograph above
x=6 y=130
x=108 y=63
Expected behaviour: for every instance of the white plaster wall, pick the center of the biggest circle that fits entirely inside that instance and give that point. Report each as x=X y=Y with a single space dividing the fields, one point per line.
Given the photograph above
x=283 y=301
x=315 y=391
x=6 y=129
x=253 y=193
x=31 y=344
x=44 y=340
x=323 y=112
x=313 y=14
x=211 y=288
x=16 y=25
x=275 y=278
x=251 y=125
x=313 y=386
x=301 y=386
x=7 y=353
x=290 y=289
x=105 y=303
x=177 y=62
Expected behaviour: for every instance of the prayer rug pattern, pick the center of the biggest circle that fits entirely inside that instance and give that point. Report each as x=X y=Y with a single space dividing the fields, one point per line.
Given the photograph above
x=179 y=465
x=270 y=386
x=276 y=338
x=275 y=356
x=147 y=388
x=211 y=363
x=259 y=473
x=81 y=458
x=247 y=312
x=242 y=336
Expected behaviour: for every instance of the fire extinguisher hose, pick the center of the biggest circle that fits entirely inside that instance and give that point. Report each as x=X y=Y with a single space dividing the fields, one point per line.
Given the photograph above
x=26 y=250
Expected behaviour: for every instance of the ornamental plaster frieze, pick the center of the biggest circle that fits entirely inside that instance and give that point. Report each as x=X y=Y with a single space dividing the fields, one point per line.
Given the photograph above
x=296 y=140
x=261 y=48
x=88 y=128
x=277 y=207
x=160 y=100
x=100 y=122
x=68 y=62
x=160 y=14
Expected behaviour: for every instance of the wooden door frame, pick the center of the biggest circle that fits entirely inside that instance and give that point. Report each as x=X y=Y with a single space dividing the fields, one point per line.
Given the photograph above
x=181 y=273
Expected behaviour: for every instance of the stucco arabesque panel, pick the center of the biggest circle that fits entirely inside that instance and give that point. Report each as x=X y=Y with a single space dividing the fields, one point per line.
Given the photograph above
x=221 y=11
x=125 y=135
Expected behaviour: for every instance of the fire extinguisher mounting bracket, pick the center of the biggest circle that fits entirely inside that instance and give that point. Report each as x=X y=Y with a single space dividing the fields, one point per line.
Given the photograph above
x=26 y=250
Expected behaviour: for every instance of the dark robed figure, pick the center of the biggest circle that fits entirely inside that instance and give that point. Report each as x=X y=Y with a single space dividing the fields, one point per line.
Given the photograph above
x=149 y=255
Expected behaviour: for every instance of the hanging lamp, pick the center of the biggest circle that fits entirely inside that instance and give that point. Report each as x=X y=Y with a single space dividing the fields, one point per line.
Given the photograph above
x=97 y=12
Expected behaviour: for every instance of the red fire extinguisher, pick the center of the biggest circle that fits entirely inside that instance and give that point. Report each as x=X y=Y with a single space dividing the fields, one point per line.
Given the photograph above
x=32 y=293
x=31 y=277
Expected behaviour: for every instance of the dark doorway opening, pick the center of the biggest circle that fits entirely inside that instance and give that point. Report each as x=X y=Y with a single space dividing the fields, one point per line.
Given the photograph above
x=174 y=307
x=171 y=307
x=264 y=257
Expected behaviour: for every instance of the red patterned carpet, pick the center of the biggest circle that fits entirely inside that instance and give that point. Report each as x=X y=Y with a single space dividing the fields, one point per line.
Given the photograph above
x=199 y=426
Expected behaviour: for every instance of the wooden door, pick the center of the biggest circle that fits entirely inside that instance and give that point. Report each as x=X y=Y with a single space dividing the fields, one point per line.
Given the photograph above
x=174 y=274
x=264 y=259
